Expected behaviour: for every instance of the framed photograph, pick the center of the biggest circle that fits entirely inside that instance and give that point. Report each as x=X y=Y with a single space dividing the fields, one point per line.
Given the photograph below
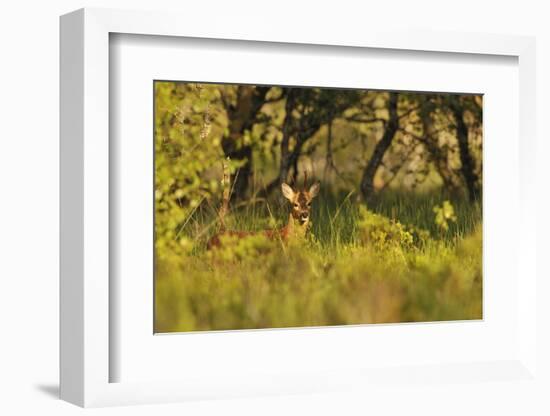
x=279 y=214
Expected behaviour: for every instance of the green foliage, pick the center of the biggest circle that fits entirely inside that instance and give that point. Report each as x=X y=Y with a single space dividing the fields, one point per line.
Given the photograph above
x=383 y=233
x=444 y=214
x=418 y=209
x=239 y=249
x=185 y=151
x=359 y=267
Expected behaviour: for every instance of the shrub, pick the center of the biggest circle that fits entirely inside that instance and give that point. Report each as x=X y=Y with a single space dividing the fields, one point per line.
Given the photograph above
x=381 y=271
x=383 y=233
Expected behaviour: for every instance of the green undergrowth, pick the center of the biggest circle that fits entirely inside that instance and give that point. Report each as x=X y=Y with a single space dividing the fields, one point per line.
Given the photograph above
x=407 y=258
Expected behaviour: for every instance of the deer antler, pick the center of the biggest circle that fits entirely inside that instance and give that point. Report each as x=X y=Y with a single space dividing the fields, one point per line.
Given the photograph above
x=305 y=179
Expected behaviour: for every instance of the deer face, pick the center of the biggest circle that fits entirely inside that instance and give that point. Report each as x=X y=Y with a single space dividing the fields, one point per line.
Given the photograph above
x=300 y=201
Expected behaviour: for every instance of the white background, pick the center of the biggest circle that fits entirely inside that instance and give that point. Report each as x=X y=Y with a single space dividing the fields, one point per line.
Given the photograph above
x=29 y=207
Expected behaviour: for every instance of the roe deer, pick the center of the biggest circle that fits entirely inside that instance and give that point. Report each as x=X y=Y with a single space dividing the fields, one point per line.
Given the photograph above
x=298 y=219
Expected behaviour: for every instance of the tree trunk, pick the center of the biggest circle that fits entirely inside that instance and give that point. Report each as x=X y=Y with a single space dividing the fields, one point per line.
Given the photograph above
x=329 y=159
x=294 y=158
x=438 y=156
x=367 y=181
x=467 y=162
x=286 y=155
x=241 y=117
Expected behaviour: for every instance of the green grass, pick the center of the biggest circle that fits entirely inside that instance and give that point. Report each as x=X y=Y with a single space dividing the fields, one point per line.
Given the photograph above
x=392 y=263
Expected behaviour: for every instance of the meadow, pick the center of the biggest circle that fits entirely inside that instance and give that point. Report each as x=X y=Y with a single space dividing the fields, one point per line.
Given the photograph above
x=409 y=258
x=396 y=230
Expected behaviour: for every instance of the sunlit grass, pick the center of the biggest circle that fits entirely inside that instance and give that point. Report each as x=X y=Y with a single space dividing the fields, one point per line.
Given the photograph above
x=356 y=268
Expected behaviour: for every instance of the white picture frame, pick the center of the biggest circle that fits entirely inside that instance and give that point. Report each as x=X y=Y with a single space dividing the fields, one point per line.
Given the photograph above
x=85 y=220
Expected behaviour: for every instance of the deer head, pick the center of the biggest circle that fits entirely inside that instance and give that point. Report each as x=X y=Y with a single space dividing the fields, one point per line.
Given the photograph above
x=300 y=201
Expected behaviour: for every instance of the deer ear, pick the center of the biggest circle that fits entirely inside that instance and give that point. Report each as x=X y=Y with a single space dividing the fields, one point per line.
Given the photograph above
x=288 y=193
x=314 y=190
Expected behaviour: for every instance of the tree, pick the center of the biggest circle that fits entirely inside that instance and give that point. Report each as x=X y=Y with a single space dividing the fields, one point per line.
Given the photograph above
x=430 y=139
x=391 y=127
x=467 y=162
x=307 y=110
x=242 y=113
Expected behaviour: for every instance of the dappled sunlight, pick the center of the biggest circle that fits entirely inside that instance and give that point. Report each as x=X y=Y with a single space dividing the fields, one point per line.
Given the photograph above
x=281 y=207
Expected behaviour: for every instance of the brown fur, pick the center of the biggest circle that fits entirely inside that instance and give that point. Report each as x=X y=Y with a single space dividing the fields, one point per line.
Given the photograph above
x=298 y=220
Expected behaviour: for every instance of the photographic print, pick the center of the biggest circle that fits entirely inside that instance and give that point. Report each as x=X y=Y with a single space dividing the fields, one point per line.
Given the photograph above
x=279 y=206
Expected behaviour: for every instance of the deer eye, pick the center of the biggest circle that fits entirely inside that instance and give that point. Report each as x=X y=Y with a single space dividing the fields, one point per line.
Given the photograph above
x=296 y=206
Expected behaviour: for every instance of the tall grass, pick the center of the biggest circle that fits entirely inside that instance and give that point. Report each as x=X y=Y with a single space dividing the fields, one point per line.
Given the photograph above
x=392 y=263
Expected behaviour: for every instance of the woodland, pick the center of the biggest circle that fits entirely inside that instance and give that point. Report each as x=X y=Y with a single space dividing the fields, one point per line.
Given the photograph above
x=396 y=230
